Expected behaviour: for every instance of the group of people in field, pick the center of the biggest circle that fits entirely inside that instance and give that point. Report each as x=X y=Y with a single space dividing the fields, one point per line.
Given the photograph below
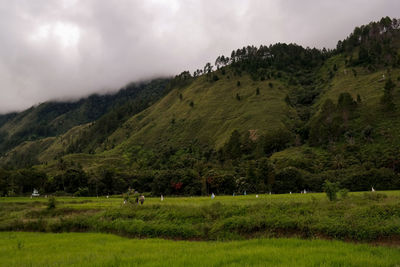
x=139 y=199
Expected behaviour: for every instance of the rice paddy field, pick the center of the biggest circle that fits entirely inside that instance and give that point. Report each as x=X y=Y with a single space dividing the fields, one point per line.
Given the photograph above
x=89 y=249
x=360 y=229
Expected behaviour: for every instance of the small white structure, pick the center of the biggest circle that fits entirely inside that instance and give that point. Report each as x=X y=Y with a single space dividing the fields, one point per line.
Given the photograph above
x=212 y=196
x=162 y=198
x=290 y=192
x=35 y=193
x=245 y=193
x=256 y=196
x=270 y=192
x=372 y=189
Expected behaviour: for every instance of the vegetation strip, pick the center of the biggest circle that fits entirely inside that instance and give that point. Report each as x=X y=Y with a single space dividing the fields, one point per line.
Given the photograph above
x=367 y=217
x=88 y=249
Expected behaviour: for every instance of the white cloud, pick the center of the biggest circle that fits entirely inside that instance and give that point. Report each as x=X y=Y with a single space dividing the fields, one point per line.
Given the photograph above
x=69 y=48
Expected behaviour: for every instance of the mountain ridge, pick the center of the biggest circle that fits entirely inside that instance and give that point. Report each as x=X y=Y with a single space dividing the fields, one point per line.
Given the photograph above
x=274 y=118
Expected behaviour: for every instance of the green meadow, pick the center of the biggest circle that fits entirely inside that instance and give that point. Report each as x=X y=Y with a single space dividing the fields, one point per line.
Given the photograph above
x=90 y=249
x=360 y=216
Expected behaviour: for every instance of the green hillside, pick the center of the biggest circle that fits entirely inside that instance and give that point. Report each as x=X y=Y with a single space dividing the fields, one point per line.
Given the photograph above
x=219 y=108
x=275 y=118
x=54 y=118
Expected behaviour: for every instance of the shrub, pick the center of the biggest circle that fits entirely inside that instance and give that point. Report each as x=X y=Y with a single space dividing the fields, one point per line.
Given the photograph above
x=82 y=192
x=344 y=193
x=331 y=190
x=51 y=204
x=238 y=97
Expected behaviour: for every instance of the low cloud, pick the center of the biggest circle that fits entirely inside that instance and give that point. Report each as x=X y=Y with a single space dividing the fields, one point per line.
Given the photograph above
x=69 y=49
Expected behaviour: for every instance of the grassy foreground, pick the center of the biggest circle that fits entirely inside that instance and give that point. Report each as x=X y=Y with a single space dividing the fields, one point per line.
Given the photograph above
x=367 y=217
x=88 y=249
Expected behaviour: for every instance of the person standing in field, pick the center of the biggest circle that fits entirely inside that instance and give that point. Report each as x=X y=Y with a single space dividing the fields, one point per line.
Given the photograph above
x=141 y=199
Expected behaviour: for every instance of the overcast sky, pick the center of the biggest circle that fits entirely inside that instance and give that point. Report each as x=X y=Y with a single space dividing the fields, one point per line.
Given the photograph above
x=67 y=48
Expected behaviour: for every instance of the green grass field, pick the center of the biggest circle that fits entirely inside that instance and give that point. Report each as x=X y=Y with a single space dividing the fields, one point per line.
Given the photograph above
x=361 y=216
x=88 y=249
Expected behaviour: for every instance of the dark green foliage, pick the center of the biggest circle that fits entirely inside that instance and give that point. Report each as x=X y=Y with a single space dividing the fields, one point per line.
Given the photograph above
x=237 y=96
x=358 y=99
x=257 y=91
x=344 y=193
x=287 y=180
x=238 y=83
x=53 y=118
x=191 y=104
x=287 y=100
x=387 y=98
x=71 y=181
x=331 y=189
x=375 y=42
x=4 y=118
x=181 y=80
x=282 y=57
x=333 y=120
x=51 y=203
x=275 y=141
x=233 y=147
x=144 y=95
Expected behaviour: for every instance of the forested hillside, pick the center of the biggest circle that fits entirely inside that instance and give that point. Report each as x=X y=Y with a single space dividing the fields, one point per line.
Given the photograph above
x=275 y=118
x=54 y=118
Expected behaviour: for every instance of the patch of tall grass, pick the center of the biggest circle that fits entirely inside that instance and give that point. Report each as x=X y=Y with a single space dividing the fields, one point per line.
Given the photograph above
x=359 y=217
x=89 y=249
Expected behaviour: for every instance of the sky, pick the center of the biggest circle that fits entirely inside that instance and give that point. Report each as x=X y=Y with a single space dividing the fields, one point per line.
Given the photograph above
x=66 y=49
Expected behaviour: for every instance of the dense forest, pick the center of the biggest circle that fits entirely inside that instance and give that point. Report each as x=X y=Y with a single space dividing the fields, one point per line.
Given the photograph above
x=340 y=125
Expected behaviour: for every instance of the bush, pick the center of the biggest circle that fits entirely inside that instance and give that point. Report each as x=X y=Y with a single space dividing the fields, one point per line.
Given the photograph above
x=344 y=193
x=82 y=192
x=331 y=190
x=51 y=204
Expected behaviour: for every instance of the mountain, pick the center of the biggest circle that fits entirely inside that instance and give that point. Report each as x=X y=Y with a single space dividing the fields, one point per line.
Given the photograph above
x=271 y=118
x=54 y=118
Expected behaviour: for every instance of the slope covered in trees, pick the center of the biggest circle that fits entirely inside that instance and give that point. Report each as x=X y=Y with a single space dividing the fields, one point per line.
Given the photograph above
x=275 y=118
x=53 y=118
